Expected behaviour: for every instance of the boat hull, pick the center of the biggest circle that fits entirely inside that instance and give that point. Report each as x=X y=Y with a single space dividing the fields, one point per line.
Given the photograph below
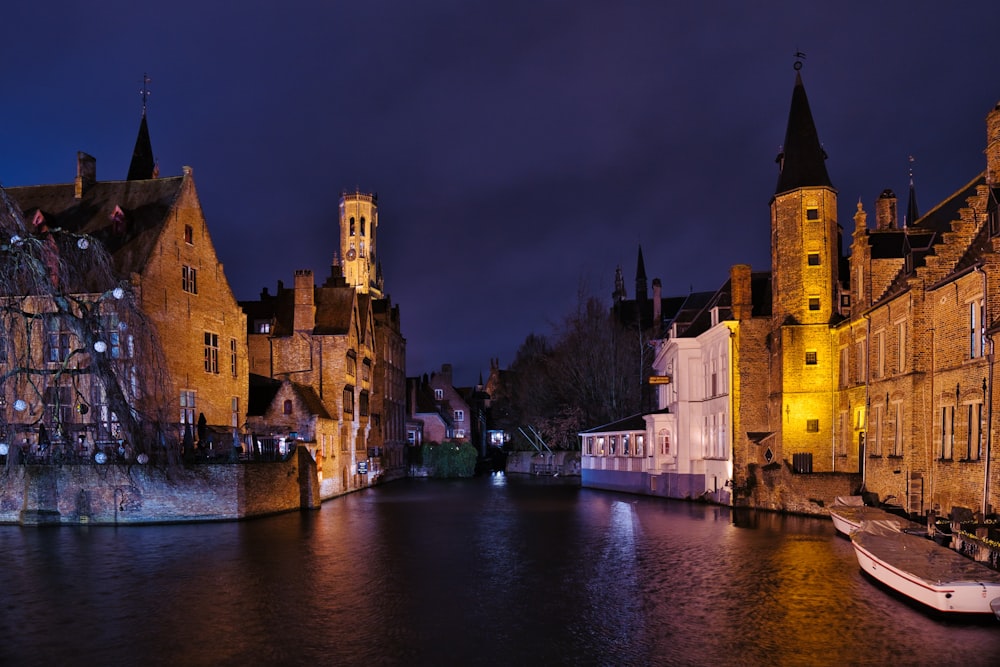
x=971 y=594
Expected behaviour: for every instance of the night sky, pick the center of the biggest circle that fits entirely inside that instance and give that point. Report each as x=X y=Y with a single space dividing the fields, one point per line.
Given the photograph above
x=521 y=150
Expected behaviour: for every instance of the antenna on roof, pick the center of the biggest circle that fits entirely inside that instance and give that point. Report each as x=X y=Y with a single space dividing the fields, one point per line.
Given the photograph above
x=145 y=93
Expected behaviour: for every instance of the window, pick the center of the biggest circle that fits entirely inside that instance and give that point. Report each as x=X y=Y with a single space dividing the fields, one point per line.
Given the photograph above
x=812 y=426
x=664 y=438
x=977 y=329
x=897 y=443
x=262 y=326
x=612 y=444
x=351 y=227
x=626 y=444
x=600 y=445
x=438 y=394
x=845 y=433
x=362 y=225
x=844 y=366
x=810 y=357
x=349 y=400
x=974 y=437
x=352 y=363
x=56 y=340
x=113 y=337
x=58 y=407
x=189 y=234
x=947 y=432
x=812 y=213
x=361 y=249
x=900 y=347
x=187 y=406
x=286 y=407
x=814 y=303
x=640 y=443
x=878 y=355
x=813 y=259
x=845 y=300
x=366 y=370
x=234 y=408
x=459 y=432
x=363 y=404
x=232 y=357
x=877 y=434
x=189 y=279
x=589 y=443
x=860 y=365
x=459 y=415
x=211 y=352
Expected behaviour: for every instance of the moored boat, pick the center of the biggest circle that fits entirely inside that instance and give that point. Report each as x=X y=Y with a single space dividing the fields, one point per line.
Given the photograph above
x=925 y=571
x=849 y=512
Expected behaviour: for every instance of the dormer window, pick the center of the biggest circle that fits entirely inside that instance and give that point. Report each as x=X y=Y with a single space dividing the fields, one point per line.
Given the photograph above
x=438 y=394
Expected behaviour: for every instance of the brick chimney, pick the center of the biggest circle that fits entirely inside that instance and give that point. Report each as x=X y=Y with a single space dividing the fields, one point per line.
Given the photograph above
x=305 y=304
x=741 y=295
x=993 y=146
x=885 y=211
x=86 y=173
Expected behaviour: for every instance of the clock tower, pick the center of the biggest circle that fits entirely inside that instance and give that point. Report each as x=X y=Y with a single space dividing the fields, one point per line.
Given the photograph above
x=358 y=222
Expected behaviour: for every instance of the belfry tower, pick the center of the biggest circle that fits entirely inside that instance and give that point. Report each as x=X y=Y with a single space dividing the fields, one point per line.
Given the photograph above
x=358 y=224
x=805 y=254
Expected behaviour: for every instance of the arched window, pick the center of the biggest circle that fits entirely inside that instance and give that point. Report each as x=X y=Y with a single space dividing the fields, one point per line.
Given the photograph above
x=287 y=408
x=362 y=226
x=351 y=227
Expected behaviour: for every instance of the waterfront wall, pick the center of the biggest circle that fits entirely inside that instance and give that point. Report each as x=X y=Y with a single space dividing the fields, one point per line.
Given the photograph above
x=118 y=494
x=548 y=463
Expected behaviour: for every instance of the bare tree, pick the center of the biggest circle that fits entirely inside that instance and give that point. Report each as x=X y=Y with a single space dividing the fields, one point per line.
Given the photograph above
x=78 y=356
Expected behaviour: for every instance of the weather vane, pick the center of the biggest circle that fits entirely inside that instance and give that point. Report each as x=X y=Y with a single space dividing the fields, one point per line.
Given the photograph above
x=145 y=90
x=799 y=57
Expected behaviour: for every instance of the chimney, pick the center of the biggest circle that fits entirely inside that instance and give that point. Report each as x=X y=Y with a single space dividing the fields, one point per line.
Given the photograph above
x=304 y=318
x=86 y=173
x=741 y=295
x=993 y=146
x=885 y=211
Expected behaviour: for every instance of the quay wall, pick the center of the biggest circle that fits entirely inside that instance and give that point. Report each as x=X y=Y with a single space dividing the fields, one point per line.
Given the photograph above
x=136 y=494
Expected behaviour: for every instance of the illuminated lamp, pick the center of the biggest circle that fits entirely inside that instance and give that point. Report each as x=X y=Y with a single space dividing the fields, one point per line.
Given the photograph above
x=118 y=292
x=101 y=457
x=100 y=346
x=20 y=405
x=82 y=243
x=143 y=459
x=3 y=449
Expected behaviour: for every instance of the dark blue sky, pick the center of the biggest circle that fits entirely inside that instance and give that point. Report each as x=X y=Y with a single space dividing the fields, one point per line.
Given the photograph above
x=521 y=150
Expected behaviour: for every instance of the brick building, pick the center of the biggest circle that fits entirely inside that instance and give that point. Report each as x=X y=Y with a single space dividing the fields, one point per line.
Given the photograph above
x=160 y=246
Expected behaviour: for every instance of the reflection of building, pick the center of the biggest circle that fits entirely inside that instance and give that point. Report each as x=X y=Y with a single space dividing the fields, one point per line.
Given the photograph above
x=831 y=374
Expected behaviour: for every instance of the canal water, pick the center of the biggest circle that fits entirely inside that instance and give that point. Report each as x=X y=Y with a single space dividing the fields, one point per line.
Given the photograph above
x=488 y=571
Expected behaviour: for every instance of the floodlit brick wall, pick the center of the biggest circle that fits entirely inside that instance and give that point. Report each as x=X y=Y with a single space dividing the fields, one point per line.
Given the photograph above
x=184 y=318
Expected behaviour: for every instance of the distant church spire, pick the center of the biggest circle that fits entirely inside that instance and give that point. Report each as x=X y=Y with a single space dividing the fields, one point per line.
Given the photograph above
x=912 y=213
x=640 y=278
x=802 y=160
x=143 y=166
x=619 y=293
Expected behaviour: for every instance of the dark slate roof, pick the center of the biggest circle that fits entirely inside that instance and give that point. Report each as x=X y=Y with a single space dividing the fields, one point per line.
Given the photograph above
x=311 y=400
x=633 y=423
x=143 y=165
x=144 y=204
x=334 y=309
x=802 y=160
x=262 y=392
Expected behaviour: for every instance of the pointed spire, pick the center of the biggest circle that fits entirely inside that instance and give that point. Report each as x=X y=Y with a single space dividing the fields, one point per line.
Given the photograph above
x=143 y=165
x=802 y=160
x=640 y=277
x=912 y=213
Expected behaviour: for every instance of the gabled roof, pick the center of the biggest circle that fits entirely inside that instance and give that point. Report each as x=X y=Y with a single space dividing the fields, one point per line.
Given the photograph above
x=144 y=208
x=311 y=400
x=802 y=160
x=334 y=310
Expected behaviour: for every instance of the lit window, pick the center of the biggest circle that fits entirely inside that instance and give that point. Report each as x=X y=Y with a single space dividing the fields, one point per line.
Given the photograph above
x=57 y=340
x=187 y=406
x=438 y=394
x=812 y=426
x=459 y=415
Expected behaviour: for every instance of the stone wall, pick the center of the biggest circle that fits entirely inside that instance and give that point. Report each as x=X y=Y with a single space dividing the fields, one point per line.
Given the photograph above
x=113 y=494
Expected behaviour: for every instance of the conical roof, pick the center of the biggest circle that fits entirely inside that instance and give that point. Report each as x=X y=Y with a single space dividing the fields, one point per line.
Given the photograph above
x=143 y=165
x=802 y=160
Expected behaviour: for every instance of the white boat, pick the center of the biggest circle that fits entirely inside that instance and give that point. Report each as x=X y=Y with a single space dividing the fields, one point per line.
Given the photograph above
x=849 y=512
x=925 y=571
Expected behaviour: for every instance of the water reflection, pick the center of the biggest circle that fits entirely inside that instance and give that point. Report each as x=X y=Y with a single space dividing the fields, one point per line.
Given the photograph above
x=491 y=571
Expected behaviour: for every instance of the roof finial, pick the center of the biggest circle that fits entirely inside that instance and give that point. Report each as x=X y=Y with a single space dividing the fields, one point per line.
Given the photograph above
x=145 y=91
x=799 y=57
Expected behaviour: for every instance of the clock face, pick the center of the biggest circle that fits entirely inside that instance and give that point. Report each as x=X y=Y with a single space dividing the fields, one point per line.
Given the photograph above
x=351 y=254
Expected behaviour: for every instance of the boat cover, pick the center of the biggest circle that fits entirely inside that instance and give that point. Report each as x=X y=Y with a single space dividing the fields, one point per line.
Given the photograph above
x=848 y=501
x=919 y=556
